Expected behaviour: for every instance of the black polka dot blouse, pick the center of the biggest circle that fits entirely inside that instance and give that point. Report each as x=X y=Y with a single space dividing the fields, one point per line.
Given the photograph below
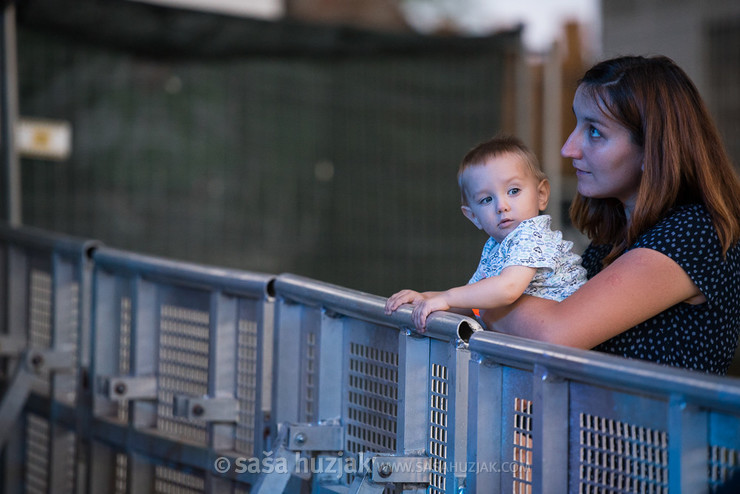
x=701 y=337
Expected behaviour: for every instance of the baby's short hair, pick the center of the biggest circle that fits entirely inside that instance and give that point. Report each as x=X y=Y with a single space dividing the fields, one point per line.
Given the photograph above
x=496 y=146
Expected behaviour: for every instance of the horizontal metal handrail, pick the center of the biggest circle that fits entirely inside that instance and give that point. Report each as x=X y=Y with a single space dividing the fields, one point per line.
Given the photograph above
x=602 y=369
x=183 y=272
x=43 y=240
x=440 y=325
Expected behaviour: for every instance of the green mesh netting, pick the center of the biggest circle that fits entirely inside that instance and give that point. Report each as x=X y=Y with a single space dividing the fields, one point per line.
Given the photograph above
x=272 y=147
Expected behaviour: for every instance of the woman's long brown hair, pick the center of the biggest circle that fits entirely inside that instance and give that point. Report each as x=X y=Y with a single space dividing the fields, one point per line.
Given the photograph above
x=685 y=159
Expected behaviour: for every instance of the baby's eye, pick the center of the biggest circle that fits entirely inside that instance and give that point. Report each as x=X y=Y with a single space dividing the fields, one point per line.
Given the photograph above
x=514 y=191
x=593 y=132
x=485 y=200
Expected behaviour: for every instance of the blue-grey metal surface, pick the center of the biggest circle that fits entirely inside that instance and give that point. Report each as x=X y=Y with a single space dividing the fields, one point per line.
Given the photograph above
x=166 y=390
x=722 y=393
x=599 y=423
x=44 y=311
x=393 y=390
x=367 y=307
x=200 y=332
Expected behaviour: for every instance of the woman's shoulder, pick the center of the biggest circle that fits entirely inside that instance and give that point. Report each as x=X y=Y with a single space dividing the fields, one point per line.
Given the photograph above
x=685 y=231
x=689 y=223
x=687 y=216
x=688 y=236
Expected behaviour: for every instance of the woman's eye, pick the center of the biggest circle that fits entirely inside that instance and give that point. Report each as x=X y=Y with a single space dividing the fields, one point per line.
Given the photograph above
x=594 y=132
x=514 y=191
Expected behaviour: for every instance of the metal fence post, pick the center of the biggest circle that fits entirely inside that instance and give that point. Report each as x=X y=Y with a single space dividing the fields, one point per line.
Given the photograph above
x=688 y=433
x=485 y=423
x=550 y=449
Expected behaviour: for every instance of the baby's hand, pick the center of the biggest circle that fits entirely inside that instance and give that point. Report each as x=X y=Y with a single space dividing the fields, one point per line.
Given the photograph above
x=422 y=311
x=403 y=297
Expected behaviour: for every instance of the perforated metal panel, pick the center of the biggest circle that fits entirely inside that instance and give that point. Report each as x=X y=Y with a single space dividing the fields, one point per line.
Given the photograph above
x=183 y=368
x=171 y=481
x=522 y=445
x=120 y=476
x=438 y=429
x=620 y=457
x=54 y=317
x=310 y=376
x=37 y=454
x=722 y=463
x=247 y=383
x=724 y=448
x=619 y=442
x=124 y=351
x=518 y=432
x=372 y=399
x=39 y=332
x=42 y=437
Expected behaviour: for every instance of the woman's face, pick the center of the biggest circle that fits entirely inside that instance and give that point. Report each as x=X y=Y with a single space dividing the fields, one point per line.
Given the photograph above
x=607 y=161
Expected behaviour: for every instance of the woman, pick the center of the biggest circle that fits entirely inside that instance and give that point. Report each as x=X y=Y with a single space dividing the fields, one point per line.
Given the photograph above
x=660 y=201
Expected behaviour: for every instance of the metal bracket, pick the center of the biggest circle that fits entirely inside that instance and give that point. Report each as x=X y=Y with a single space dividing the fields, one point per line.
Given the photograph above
x=294 y=445
x=315 y=437
x=33 y=364
x=205 y=408
x=122 y=388
x=44 y=361
x=407 y=472
x=401 y=469
x=267 y=483
x=11 y=346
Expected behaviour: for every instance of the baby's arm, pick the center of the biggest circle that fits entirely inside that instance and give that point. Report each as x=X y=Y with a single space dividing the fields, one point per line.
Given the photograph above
x=489 y=293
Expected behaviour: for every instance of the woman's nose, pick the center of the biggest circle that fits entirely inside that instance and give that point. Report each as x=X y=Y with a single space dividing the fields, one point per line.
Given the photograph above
x=571 y=149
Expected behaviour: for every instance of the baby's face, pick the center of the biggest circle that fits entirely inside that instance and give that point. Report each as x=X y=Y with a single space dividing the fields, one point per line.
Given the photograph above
x=501 y=193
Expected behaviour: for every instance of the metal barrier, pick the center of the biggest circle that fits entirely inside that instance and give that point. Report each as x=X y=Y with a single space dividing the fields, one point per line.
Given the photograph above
x=178 y=368
x=361 y=401
x=44 y=289
x=129 y=373
x=550 y=419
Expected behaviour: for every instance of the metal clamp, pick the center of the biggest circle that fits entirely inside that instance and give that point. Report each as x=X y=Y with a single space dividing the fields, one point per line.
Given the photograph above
x=205 y=408
x=407 y=472
x=315 y=437
x=45 y=361
x=34 y=363
x=401 y=469
x=11 y=346
x=122 y=388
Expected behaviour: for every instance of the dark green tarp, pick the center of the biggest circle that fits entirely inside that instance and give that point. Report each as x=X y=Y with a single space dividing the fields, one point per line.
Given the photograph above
x=266 y=146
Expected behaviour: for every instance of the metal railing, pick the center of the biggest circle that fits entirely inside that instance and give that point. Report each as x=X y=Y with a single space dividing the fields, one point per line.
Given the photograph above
x=44 y=289
x=177 y=369
x=129 y=373
x=397 y=398
x=551 y=419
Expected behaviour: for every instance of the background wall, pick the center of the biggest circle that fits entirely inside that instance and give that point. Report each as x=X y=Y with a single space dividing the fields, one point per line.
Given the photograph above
x=323 y=151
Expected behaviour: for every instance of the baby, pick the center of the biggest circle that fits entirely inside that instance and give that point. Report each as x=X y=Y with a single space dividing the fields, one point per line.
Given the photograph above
x=503 y=192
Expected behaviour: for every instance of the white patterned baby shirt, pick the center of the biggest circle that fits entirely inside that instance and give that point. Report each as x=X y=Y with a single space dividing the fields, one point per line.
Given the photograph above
x=534 y=244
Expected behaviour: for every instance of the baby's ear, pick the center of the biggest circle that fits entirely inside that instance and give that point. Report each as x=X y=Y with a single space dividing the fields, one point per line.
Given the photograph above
x=543 y=194
x=471 y=216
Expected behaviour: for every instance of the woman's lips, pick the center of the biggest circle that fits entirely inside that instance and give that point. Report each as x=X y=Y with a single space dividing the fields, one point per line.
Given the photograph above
x=580 y=171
